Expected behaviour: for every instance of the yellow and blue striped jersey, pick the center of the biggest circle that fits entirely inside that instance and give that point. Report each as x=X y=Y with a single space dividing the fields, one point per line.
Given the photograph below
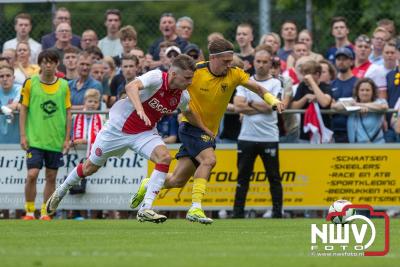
x=210 y=94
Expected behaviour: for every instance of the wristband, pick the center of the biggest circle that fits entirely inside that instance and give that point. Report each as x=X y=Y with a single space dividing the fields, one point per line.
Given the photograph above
x=270 y=99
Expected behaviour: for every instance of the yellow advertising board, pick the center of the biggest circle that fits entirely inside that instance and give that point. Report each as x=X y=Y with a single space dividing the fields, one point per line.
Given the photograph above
x=312 y=178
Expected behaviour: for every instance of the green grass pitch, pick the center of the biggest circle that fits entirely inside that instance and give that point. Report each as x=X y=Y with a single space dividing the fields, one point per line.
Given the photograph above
x=256 y=242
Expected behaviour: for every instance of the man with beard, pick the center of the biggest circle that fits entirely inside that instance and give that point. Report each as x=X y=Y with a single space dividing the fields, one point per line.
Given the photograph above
x=259 y=135
x=342 y=86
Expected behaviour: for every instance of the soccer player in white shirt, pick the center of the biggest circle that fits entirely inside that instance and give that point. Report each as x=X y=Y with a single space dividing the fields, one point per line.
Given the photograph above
x=132 y=126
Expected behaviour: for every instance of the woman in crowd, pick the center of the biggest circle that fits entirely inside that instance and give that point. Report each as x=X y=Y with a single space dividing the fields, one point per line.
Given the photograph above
x=365 y=125
x=23 y=68
x=272 y=39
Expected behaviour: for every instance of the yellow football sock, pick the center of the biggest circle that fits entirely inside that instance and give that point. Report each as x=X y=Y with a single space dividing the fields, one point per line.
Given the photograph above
x=43 y=210
x=30 y=207
x=199 y=189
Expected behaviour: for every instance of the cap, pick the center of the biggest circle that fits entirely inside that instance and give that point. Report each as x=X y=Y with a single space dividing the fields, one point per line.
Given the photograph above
x=173 y=48
x=344 y=51
x=191 y=47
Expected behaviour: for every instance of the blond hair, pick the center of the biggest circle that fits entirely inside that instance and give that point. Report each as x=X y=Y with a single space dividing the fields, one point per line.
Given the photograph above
x=381 y=29
x=273 y=35
x=92 y=93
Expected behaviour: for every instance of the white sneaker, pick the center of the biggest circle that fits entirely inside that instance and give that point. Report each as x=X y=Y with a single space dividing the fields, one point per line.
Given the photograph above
x=148 y=215
x=52 y=203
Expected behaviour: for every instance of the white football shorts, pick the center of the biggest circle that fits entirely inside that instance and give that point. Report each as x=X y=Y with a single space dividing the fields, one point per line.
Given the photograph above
x=111 y=142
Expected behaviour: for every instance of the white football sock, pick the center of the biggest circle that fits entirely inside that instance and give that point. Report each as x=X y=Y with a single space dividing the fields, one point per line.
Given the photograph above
x=154 y=186
x=72 y=179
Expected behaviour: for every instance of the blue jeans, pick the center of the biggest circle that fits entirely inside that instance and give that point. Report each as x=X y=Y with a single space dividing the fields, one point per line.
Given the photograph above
x=391 y=136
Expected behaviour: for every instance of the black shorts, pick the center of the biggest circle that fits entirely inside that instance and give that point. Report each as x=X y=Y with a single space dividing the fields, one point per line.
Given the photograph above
x=194 y=140
x=35 y=157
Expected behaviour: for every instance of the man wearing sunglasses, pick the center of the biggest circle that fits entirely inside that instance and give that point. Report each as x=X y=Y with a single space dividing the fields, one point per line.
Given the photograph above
x=193 y=51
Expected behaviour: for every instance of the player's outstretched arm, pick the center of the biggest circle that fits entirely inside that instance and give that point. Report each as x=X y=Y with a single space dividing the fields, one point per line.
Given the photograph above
x=132 y=91
x=264 y=94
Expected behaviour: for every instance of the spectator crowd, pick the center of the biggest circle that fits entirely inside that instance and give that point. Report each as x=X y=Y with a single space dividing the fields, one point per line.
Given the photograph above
x=329 y=80
x=359 y=76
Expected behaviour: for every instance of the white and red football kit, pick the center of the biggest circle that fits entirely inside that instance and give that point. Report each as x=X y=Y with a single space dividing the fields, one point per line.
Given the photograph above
x=126 y=130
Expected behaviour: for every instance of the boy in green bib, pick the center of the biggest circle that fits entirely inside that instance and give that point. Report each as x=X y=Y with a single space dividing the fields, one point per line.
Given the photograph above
x=45 y=123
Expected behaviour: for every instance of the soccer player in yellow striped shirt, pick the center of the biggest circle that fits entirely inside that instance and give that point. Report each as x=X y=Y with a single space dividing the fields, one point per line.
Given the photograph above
x=213 y=84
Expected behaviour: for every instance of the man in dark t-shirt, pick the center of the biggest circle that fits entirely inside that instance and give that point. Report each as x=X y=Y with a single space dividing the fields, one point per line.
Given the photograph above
x=168 y=30
x=244 y=38
x=342 y=86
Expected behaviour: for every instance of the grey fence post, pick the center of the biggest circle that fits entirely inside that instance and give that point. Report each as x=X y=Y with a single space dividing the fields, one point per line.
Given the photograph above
x=309 y=15
x=264 y=16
